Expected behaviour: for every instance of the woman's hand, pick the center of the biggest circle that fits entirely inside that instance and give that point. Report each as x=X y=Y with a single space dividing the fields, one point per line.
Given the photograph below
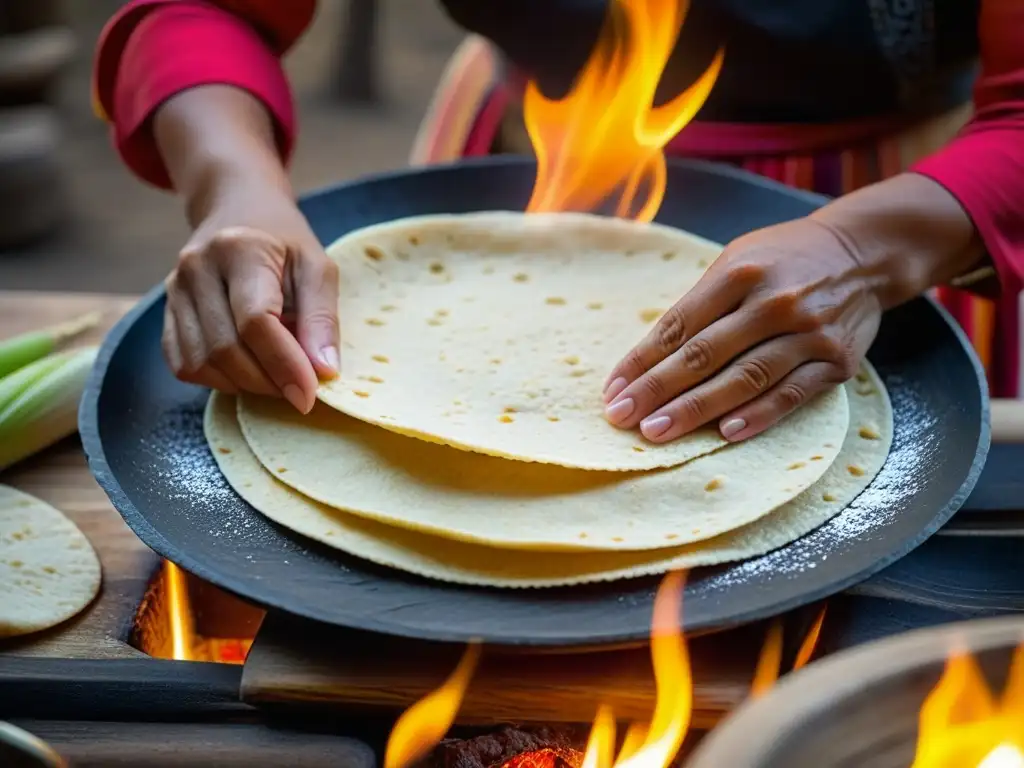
x=782 y=314
x=252 y=302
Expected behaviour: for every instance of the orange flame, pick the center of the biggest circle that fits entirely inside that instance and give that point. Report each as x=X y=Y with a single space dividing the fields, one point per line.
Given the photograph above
x=962 y=725
x=426 y=722
x=606 y=137
x=179 y=613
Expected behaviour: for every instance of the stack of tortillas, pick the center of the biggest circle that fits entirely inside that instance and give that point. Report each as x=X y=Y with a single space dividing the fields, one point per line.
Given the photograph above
x=465 y=439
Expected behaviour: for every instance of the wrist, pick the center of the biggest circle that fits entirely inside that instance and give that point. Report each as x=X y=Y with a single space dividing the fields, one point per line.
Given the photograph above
x=216 y=142
x=908 y=233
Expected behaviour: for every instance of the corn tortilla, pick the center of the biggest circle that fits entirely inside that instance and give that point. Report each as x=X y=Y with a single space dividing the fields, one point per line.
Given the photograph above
x=48 y=570
x=493 y=333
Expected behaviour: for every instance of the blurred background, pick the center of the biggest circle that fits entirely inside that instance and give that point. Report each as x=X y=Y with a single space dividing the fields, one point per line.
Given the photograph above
x=71 y=216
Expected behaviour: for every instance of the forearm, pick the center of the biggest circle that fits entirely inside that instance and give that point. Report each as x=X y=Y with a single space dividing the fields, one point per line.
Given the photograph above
x=908 y=234
x=215 y=138
x=154 y=51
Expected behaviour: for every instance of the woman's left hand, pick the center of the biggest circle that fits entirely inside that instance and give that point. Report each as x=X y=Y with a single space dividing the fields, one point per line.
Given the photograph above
x=783 y=314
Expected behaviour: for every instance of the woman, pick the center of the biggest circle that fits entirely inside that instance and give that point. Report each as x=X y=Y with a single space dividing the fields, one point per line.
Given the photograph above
x=864 y=99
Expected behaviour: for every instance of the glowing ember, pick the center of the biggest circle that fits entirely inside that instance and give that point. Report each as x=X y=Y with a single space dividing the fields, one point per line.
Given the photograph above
x=962 y=725
x=425 y=723
x=606 y=138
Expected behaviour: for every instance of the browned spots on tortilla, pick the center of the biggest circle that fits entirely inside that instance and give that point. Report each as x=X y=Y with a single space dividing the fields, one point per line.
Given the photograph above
x=668 y=256
x=505 y=418
x=49 y=569
x=521 y=277
x=829 y=445
x=442 y=313
x=855 y=470
x=583 y=535
x=373 y=252
x=375 y=379
x=714 y=483
x=380 y=359
x=223 y=450
x=374 y=321
x=796 y=465
x=866 y=390
x=650 y=315
x=671 y=536
x=702 y=263
x=817 y=457
x=282 y=470
x=16 y=563
x=595 y=305
x=388 y=308
x=578 y=373
x=436 y=267
x=639 y=448
x=495 y=361
x=861 y=376
x=413 y=240
x=869 y=433
x=433 y=321
x=553 y=418
x=508 y=409
x=572 y=360
x=618 y=539
x=360 y=393
x=827 y=497
x=555 y=301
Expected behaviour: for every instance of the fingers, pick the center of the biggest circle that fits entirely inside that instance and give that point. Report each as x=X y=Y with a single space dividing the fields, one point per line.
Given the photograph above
x=714 y=295
x=183 y=345
x=795 y=390
x=753 y=374
x=256 y=299
x=315 y=281
x=700 y=357
x=806 y=381
x=220 y=344
x=222 y=323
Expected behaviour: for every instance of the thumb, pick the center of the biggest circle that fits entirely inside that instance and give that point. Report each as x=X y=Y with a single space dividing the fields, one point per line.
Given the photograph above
x=315 y=282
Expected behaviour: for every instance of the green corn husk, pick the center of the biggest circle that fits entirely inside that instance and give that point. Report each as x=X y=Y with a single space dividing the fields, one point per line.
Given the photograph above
x=19 y=351
x=39 y=403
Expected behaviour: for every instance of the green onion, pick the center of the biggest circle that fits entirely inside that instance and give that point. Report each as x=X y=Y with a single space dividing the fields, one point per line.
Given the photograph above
x=39 y=403
x=26 y=348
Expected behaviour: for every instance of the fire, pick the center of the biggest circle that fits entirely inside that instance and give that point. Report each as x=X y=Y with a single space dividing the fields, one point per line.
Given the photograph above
x=606 y=139
x=645 y=745
x=963 y=725
x=179 y=614
x=425 y=723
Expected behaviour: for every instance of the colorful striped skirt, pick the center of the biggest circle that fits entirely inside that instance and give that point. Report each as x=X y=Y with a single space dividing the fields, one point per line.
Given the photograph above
x=476 y=111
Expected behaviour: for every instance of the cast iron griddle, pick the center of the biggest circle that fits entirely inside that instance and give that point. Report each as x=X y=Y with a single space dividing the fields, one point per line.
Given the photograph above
x=142 y=431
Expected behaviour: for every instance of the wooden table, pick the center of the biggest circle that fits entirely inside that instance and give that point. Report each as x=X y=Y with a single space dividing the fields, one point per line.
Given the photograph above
x=61 y=477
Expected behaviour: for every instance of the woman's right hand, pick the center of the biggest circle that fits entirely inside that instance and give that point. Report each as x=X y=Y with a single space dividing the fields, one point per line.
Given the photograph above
x=252 y=302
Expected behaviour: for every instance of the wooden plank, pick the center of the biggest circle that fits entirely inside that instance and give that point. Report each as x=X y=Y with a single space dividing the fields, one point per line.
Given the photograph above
x=300 y=664
x=61 y=477
x=90 y=744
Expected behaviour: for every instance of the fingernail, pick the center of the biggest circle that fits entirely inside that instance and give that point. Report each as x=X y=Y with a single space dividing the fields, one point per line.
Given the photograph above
x=733 y=427
x=655 y=427
x=329 y=357
x=620 y=410
x=294 y=396
x=614 y=389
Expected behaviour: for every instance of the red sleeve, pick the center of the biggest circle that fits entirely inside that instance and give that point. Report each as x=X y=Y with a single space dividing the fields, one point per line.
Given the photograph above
x=984 y=166
x=153 y=49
